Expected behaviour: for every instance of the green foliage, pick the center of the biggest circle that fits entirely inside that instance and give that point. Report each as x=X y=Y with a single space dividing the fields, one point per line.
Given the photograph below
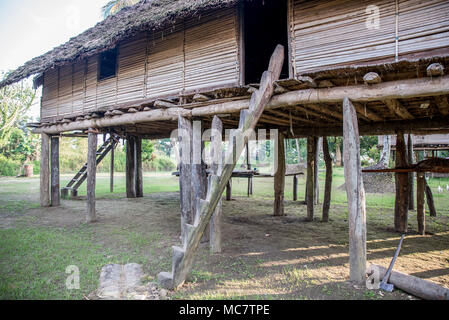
x=147 y=150
x=8 y=167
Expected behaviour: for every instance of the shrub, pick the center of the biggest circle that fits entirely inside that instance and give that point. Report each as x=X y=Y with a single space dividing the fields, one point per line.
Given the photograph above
x=8 y=167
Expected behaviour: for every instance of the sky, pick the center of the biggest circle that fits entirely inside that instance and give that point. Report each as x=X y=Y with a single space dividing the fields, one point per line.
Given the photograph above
x=29 y=28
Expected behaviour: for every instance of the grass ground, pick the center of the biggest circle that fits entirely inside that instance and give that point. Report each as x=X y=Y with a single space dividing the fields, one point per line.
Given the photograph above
x=263 y=257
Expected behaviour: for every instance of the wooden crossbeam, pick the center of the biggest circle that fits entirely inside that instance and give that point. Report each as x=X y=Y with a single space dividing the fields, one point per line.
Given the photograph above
x=325 y=110
x=397 y=108
x=294 y=118
x=364 y=112
x=442 y=104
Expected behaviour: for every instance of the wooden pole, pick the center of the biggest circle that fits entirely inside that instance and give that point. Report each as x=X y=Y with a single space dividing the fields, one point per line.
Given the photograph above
x=430 y=202
x=216 y=168
x=310 y=189
x=328 y=183
x=185 y=171
x=111 y=173
x=45 y=172
x=229 y=190
x=420 y=202
x=91 y=176
x=138 y=168
x=130 y=167
x=248 y=167
x=295 y=188
x=55 y=195
x=355 y=193
x=411 y=176
x=279 y=177
x=316 y=185
x=402 y=187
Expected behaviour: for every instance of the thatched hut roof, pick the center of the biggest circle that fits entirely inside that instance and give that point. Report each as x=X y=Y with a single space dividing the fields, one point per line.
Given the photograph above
x=145 y=15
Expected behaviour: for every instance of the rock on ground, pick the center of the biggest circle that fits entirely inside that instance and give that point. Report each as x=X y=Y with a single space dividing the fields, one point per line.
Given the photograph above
x=125 y=282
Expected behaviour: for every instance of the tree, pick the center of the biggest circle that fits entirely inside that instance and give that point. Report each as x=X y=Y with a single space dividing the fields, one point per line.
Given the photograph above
x=15 y=101
x=114 y=6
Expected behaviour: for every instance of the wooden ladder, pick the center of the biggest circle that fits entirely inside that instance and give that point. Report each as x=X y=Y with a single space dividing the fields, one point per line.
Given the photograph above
x=182 y=259
x=81 y=175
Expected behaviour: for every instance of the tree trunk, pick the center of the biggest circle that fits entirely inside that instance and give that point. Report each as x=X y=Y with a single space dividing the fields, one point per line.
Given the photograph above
x=91 y=215
x=45 y=172
x=55 y=195
x=338 y=159
x=420 y=202
x=402 y=187
x=384 y=160
x=411 y=175
x=279 y=177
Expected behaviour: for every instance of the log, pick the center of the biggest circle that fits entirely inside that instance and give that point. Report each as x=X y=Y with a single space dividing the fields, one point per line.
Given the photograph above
x=91 y=215
x=398 y=109
x=372 y=78
x=328 y=183
x=411 y=175
x=416 y=286
x=430 y=202
x=316 y=184
x=216 y=167
x=435 y=70
x=402 y=187
x=185 y=171
x=45 y=172
x=401 y=89
x=130 y=167
x=138 y=168
x=420 y=202
x=279 y=176
x=310 y=190
x=55 y=195
x=355 y=194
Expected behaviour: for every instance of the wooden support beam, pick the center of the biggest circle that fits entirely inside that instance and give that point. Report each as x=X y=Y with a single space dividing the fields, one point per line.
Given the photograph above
x=248 y=167
x=229 y=190
x=364 y=112
x=355 y=193
x=216 y=167
x=279 y=176
x=328 y=183
x=442 y=104
x=316 y=183
x=411 y=175
x=111 y=170
x=420 y=202
x=130 y=167
x=430 y=202
x=401 y=89
x=185 y=172
x=45 y=172
x=91 y=215
x=295 y=188
x=310 y=182
x=294 y=118
x=397 y=108
x=55 y=193
x=402 y=187
x=199 y=175
x=138 y=168
x=324 y=110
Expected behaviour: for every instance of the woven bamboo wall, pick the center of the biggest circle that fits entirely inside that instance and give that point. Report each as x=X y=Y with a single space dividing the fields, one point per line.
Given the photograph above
x=332 y=33
x=190 y=56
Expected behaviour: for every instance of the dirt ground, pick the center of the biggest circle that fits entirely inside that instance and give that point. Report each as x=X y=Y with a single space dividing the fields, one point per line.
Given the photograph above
x=264 y=257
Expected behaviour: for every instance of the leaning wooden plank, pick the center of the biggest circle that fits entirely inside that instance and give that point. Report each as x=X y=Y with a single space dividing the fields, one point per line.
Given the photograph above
x=416 y=286
x=355 y=193
x=183 y=257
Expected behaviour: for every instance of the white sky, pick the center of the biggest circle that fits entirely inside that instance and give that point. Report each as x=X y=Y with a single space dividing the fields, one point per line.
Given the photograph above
x=29 y=28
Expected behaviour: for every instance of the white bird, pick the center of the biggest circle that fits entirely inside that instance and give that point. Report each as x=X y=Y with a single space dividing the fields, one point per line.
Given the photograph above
x=447 y=187
x=440 y=189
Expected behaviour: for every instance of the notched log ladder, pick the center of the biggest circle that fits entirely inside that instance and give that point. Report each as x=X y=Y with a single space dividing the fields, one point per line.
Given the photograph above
x=81 y=176
x=183 y=257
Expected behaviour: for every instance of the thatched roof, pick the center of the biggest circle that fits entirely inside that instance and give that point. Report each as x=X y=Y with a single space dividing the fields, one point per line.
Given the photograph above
x=145 y=15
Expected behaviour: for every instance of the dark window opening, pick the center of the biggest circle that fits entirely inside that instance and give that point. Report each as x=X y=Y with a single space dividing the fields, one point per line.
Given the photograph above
x=108 y=64
x=265 y=26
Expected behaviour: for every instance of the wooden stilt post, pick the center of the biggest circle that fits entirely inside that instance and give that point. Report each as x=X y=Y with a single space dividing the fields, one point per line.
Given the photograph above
x=402 y=187
x=138 y=168
x=295 y=188
x=355 y=193
x=328 y=183
x=411 y=176
x=55 y=194
x=420 y=202
x=111 y=173
x=279 y=177
x=216 y=168
x=130 y=167
x=91 y=215
x=310 y=189
x=185 y=171
x=229 y=190
x=248 y=167
x=316 y=185
x=45 y=173
x=430 y=202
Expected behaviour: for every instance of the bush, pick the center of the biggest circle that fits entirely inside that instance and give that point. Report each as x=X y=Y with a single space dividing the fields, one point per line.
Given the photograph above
x=8 y=167
x=159 y=163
